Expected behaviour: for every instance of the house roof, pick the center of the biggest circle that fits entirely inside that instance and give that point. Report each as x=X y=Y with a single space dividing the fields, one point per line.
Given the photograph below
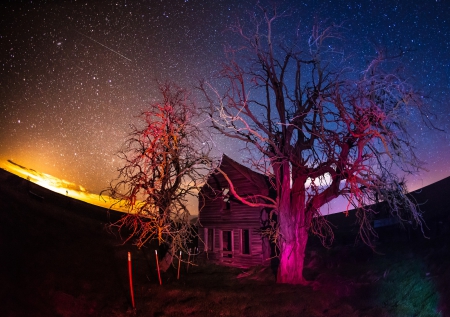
x=257 y=179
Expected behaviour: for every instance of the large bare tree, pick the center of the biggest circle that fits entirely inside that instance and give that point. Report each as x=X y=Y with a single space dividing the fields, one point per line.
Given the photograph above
x=318 y=128
x=165 y=160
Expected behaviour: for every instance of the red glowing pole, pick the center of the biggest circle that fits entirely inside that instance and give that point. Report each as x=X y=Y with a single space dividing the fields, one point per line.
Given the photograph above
x=131 y=280
x=157 y=265
x=179 y=265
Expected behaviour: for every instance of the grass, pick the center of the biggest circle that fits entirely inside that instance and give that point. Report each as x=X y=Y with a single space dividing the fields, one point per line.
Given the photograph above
x=58 y=260
x=407 y=290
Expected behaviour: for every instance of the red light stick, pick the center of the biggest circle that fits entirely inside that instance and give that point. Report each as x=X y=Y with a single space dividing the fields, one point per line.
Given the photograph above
x=131 y=280
x=179 y=265
x=157 y=265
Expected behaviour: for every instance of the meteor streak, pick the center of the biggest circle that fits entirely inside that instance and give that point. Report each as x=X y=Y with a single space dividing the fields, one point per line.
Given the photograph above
x=90 y=38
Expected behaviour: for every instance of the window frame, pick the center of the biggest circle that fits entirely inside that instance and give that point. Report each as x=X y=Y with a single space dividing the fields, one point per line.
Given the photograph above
x=209 y=239
x=229 y=252
x=246 y=245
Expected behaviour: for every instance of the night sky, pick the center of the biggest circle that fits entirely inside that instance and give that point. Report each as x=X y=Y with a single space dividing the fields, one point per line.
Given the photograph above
x=75 y=74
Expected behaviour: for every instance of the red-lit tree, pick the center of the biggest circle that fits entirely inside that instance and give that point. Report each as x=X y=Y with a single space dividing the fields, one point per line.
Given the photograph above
x=318 y=128
x=165 y=160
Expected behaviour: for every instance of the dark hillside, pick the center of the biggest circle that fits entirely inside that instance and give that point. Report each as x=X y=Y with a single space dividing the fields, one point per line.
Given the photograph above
x=433 y=201
x=56 y=257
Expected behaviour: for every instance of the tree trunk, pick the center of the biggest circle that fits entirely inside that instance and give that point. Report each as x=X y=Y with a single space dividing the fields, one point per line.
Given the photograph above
x=166 y=261
x=292 y=254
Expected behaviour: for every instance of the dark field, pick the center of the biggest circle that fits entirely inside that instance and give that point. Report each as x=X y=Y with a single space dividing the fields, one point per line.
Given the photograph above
x=58 y=259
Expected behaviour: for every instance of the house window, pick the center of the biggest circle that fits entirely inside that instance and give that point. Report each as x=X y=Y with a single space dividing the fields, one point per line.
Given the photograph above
x=245 y=241
x=227 y=243
x=210 y=239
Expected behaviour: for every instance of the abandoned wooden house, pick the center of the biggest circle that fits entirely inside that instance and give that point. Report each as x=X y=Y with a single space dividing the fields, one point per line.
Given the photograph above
x=230 y=231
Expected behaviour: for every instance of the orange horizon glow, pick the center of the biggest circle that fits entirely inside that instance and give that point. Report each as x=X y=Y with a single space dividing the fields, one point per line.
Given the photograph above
x=61 y=186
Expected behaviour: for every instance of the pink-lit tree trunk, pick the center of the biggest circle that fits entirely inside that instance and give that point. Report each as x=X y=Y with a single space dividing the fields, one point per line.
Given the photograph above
x=292 y=247
x=292 y=256
x=317 y=128
x=292 y=235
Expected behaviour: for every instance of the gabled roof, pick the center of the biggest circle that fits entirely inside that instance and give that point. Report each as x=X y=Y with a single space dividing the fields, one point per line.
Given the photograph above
x=257 y=179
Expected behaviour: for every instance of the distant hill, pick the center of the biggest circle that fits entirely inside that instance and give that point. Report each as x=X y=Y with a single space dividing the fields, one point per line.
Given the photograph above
x=57 y=257
x=433 y=201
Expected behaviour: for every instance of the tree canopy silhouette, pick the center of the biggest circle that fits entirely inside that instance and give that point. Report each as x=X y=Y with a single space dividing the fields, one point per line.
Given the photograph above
x=165 y=161
x=318 y=127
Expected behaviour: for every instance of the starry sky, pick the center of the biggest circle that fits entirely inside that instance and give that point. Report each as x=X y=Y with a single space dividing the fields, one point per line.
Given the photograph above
x=75 y=74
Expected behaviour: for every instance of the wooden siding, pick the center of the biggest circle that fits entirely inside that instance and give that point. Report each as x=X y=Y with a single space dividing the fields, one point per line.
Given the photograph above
x=238 y=259
x=214 y=215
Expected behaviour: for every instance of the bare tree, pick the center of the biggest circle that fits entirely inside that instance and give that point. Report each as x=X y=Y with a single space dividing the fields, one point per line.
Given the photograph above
x=165 y=160
x=317 y=128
